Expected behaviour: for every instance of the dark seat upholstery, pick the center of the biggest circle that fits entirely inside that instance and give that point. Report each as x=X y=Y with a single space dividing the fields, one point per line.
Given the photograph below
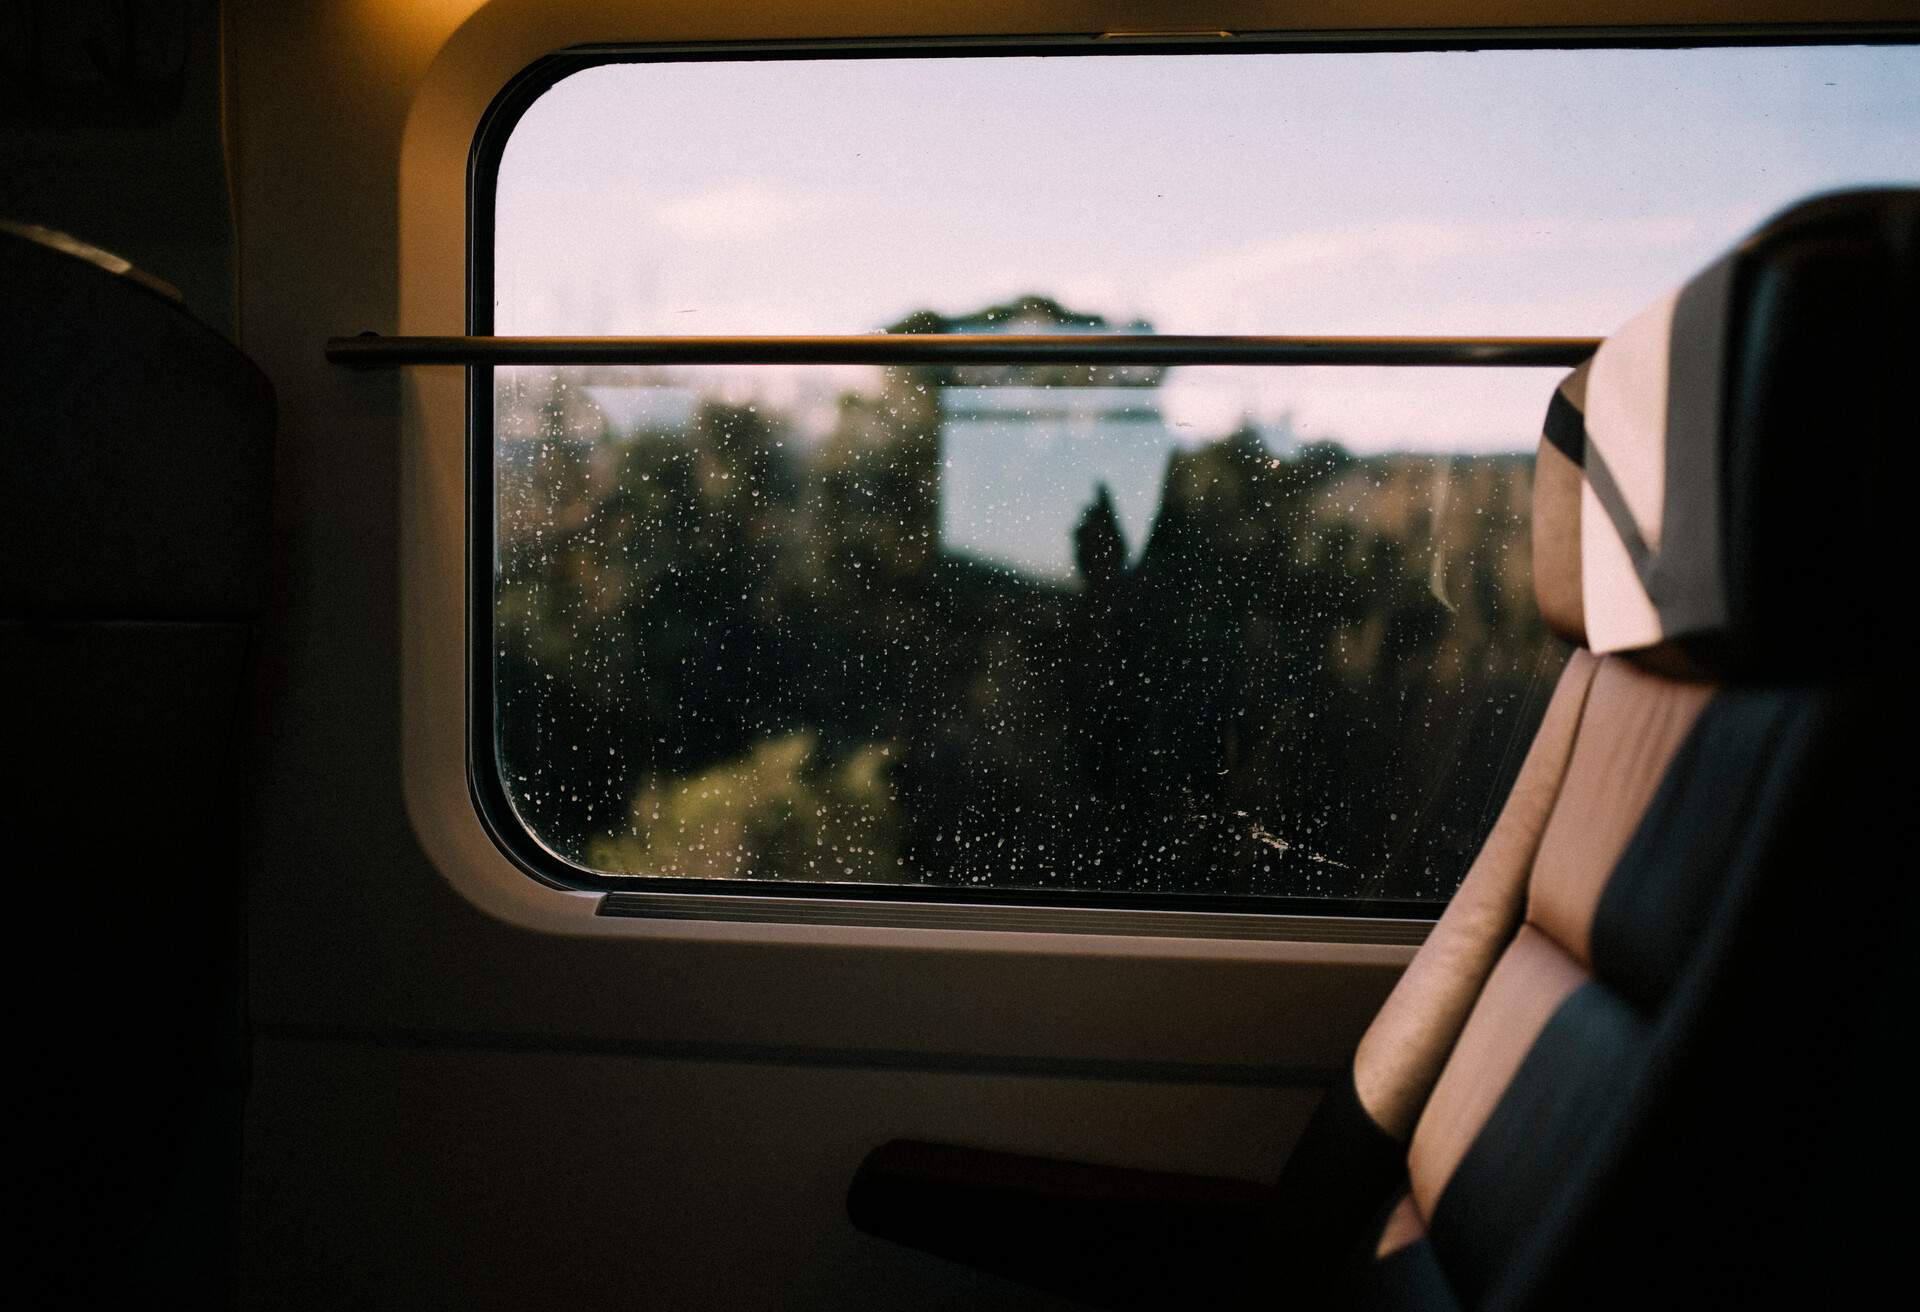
x=1637 y=1061
x=134 y=501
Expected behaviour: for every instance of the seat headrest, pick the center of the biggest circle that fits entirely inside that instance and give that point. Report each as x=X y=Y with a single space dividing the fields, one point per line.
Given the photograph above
x=1714 y=491
x=136 y=456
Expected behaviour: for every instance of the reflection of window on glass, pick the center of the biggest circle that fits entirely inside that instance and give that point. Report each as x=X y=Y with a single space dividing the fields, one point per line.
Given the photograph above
x=1001 y=627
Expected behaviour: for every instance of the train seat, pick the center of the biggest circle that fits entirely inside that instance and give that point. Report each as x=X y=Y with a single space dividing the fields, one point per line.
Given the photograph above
x=134 y=505
x=1631 y=1064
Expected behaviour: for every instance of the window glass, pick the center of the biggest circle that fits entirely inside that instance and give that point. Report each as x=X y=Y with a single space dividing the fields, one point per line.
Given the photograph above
x=1257 y=632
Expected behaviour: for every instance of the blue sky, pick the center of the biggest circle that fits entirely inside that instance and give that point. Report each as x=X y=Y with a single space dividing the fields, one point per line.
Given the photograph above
x=1496 y=192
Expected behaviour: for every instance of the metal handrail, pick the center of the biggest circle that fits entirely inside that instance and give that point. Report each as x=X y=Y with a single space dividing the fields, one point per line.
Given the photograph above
x=373 y=351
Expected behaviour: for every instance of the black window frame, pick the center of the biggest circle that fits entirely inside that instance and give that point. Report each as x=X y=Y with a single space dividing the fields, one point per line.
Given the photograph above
x=812 y=901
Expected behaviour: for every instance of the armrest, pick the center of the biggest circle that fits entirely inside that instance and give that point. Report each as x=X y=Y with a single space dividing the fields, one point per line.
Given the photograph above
x=1107 y=1235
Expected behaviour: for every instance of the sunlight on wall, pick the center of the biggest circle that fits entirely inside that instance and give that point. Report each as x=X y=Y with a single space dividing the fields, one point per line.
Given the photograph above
x=415 y=28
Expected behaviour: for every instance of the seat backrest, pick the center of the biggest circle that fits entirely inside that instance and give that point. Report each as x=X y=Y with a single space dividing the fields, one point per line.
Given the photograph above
x=1628 y=1067
x=135 y=462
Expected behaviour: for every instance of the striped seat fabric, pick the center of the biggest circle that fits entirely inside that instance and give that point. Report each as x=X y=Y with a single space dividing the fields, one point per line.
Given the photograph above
x=1640 y=1060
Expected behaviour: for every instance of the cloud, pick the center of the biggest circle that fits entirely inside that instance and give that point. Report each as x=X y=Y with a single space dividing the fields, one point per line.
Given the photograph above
x=739 y=210
x=1429 y=277
x=1576 y=276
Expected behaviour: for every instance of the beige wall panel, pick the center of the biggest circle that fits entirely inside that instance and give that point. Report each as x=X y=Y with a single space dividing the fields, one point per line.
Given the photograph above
x=383 y=1177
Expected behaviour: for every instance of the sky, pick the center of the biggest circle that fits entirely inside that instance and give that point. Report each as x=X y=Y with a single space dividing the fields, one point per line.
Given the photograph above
x=1501 y=192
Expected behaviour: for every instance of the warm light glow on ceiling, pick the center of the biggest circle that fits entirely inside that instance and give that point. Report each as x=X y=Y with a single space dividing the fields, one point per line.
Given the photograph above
x=415 y=25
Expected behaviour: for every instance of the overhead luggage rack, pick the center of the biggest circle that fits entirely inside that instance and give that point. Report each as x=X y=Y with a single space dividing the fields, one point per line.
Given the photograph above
x=373 y=351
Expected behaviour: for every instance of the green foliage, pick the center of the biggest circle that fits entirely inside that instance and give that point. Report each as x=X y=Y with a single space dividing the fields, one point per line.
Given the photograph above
x=783 y=809
x=724 y=652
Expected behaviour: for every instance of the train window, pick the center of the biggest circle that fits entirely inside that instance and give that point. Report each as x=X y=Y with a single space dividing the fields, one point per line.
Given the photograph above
x=1202 y=636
